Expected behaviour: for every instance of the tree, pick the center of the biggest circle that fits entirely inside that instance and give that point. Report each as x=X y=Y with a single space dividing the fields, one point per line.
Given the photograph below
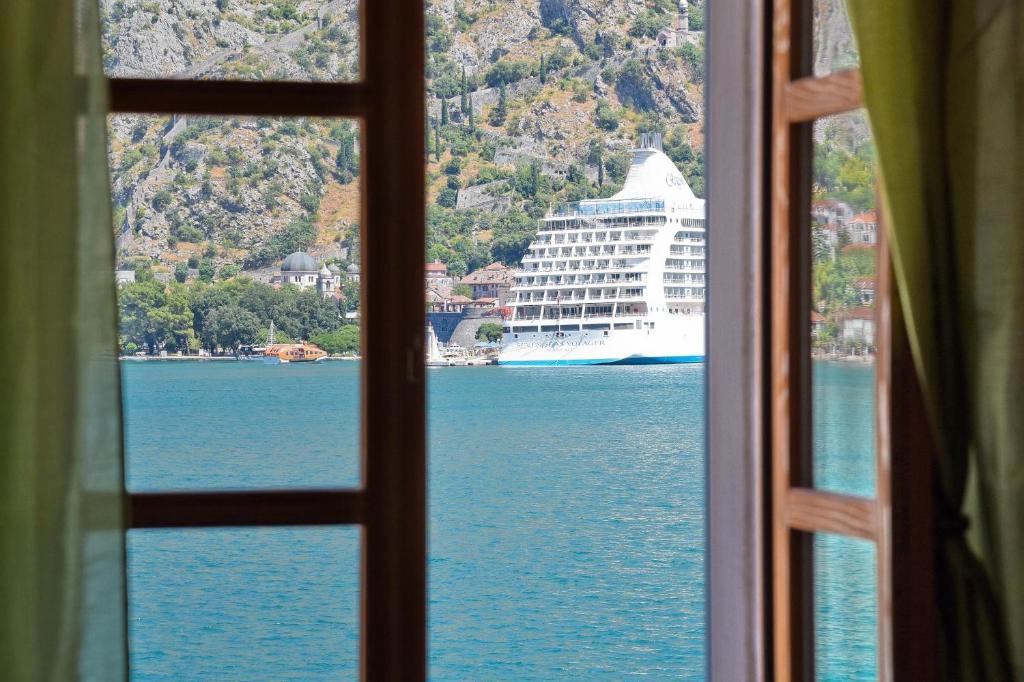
x=151 y=315
x=444 y=112
x=464 y=93
x=162 y=200
x=513 y=232
x=489 y=332
x=352 y=296
x=347 y=161
x=647 y=25
x=207 y=270
x=500 y=111
x=437 y=142
x=230 y=326
x=617 y=165
x=462 y=289
x=344 y=341
x=448 y=197
x=181 y=272
x=606 y=117
x=543 y=70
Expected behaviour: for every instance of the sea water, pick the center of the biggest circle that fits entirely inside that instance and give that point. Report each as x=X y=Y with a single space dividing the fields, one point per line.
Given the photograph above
x=566 y=523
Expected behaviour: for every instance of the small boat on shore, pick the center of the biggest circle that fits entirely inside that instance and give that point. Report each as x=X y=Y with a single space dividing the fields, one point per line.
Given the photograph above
x=293 y=352
x=281 y=353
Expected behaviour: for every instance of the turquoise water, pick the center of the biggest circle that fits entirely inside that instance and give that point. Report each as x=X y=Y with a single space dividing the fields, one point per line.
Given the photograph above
x=566 y=525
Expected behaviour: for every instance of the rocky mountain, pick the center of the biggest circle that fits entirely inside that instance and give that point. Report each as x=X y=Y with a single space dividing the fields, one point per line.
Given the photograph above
x=530 y=102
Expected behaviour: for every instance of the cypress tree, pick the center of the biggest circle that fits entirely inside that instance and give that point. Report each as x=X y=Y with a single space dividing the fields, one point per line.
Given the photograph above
x=500 y=110
x=464 y=93
x=543 y=71
x=437 y=142
x=534 y=178
x=444 y=112
x=600 y=169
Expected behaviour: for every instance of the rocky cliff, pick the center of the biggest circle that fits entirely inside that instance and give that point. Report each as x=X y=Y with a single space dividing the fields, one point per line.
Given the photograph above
x=530 y=101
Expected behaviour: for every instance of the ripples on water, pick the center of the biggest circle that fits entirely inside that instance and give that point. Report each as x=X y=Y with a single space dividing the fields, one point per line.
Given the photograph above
x=566 y=522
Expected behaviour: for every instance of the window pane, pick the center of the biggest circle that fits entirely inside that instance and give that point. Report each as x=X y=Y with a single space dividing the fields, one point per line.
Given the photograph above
x=567 y=522
x=292 y=40
x=566 y=501
x=230 y=230
x=844 y=239
x=244 y=604
x=834 y=46
x=845 y=609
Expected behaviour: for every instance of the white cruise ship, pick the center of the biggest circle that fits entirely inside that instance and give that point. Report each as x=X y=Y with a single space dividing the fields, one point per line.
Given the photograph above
x=615 y=281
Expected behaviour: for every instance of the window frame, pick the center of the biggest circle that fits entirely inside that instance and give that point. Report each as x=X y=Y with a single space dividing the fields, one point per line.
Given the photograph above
x=898 y=519
x=390 y=503
x=737 y=99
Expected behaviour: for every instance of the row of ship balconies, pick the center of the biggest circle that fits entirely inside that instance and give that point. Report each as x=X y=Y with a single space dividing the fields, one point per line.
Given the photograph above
x=581 y=222
x=526 y=282
x=555 y=315
x=561 y=268
x=554 y=267
x=675 y=250
x=533 y=298
x=684 y=293
x=541 y=252
x=684 y=278
x=684 y=265
x=558 y=239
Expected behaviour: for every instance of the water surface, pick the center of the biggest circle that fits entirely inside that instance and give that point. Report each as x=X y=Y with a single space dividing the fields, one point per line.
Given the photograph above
x=566 y=524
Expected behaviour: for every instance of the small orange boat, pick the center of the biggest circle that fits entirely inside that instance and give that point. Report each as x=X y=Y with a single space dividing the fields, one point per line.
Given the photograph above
x=294 y=352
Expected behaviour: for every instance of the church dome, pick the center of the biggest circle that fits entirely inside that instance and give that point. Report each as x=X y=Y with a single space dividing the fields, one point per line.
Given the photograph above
x=334 y=269
x=353 y=269
x=299 y=262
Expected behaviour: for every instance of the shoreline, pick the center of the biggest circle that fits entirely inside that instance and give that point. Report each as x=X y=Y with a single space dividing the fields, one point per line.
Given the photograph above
x=219 y=358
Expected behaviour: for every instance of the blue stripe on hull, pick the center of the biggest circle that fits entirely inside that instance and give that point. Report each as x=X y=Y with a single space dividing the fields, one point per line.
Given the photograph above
x=664 y=360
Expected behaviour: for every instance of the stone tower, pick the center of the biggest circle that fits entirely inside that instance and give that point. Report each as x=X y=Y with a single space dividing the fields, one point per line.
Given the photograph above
x=684 y=17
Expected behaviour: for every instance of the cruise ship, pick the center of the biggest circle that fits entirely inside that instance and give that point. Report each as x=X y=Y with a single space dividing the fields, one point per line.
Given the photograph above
x=615 y=281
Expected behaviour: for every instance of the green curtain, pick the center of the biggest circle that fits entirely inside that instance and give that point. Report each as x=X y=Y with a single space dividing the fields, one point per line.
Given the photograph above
x=62 y=587
x=944 y=89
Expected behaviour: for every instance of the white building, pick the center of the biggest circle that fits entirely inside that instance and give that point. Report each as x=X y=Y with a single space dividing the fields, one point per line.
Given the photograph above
x=300 y=270
x=863 y=228
x=678 y=34
x=831 y=211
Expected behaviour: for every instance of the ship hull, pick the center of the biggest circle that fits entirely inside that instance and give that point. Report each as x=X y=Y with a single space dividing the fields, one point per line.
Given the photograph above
x=672 y=341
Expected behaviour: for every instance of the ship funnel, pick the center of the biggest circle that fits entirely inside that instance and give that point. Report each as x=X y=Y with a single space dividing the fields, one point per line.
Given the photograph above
x=651 y=141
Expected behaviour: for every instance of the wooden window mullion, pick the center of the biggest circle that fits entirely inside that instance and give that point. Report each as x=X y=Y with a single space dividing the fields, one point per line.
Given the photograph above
x=391 y=503
x=798 y=509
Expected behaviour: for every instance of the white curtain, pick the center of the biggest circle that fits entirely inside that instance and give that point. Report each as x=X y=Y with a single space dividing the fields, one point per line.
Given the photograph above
x=62 y=587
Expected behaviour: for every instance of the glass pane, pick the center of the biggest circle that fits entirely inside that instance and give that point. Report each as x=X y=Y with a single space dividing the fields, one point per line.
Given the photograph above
x=845 y=609
x=244 y=604
x=844 y=238
x=567 y=522
x=230 y=230
x=293 y=40
x=566 y=501
x=834 y=46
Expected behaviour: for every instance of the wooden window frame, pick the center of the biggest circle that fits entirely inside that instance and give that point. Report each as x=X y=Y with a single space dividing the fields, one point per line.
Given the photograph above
x=390 y=504
x=898 y=518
